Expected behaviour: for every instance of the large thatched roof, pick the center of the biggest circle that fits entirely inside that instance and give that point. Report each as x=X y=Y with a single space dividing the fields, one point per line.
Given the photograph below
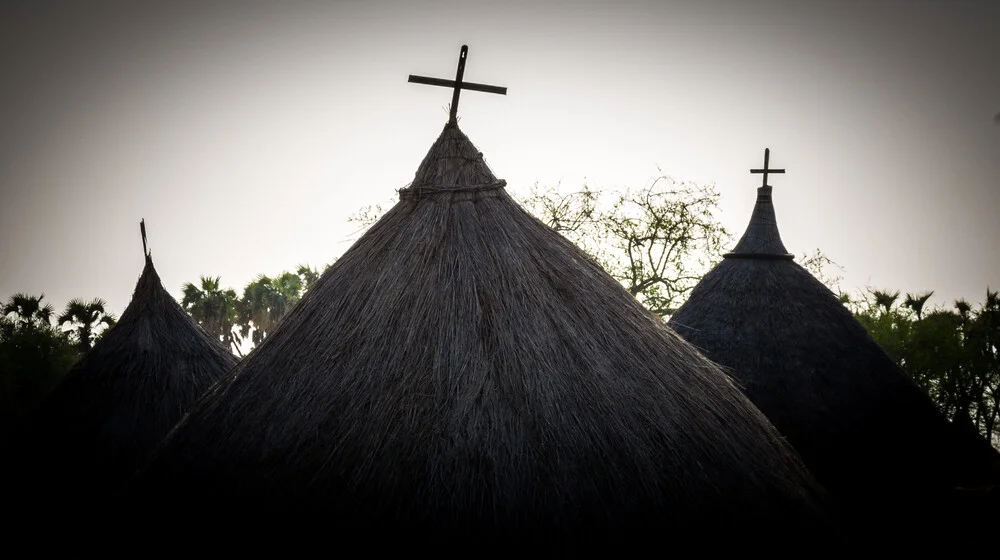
x=861 y=425
x=119 y=401
x=465 y=374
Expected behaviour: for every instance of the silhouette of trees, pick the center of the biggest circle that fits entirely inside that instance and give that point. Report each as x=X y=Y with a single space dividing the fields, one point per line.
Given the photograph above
x=34 y=355
x=28 y=309
x=953 y=354
x=214 y=308
x=266 y=300
x=85 y=318
x=917 y=302
x=250 y=317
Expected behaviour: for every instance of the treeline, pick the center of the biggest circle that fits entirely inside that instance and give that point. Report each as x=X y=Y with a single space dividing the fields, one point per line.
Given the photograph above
x=37 y=348
x=657 y=241
x=952 y=352
x=240 y=319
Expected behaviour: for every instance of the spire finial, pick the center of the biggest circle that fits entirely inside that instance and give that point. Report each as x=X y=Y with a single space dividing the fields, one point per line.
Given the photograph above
x=761 y=239
x=457 y=84
x=142 y=230
x=767 y=169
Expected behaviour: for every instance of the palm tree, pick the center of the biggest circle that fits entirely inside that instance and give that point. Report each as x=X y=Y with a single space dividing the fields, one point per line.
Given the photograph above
x=308 y=275
x=29 y=310
x=963 y=308
x=213 y=308
x=885 y=300
x=916 y=302
x=992 y=300
x=255 y=309
x=84 y=318
x=265 y=301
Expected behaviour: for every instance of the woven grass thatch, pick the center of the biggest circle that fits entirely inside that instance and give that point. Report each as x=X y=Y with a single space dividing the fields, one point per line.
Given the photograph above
x=464 y=375
x=861 y=425
x=117 y=403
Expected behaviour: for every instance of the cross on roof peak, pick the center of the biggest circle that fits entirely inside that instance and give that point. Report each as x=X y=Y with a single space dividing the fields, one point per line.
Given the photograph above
x=766 y=170
x=457 y=84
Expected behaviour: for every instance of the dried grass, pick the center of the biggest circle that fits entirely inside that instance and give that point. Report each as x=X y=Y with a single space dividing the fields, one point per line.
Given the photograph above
x=117 y=403
x=859 y=422
x=463 y=375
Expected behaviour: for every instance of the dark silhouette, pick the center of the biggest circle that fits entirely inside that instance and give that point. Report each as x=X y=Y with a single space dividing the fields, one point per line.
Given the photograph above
x=860 y=423
x=464 y=376
x=85 y=440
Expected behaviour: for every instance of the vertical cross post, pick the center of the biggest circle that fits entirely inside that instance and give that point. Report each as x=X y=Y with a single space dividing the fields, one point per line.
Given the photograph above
x=142 y=230
x=453 y=117
x=458 y=84
x=766 y=170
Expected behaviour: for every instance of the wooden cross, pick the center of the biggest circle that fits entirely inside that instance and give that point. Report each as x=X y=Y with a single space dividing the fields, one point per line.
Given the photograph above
x=457 y=84
x=766 y=170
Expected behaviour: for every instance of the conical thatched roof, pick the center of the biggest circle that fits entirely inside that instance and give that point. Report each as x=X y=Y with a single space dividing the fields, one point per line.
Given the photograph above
x=119 y=401
x=862 y=426
x=463 y=374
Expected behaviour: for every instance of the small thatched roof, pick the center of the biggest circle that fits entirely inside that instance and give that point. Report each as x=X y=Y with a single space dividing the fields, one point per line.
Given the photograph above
x=463 y=374
x=119 y=401
x=862 y=426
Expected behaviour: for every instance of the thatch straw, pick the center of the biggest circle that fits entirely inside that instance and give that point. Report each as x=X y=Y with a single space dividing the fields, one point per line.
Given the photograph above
x=464 y=375
x=118 y=402
x=860 y=424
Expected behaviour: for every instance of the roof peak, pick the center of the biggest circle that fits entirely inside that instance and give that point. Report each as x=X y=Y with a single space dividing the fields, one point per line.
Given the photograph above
x=452 y=164
x=761 y=240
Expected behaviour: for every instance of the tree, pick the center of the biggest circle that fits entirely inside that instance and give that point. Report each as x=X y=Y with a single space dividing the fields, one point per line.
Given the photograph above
x=876 y=310
x=29 y=309
x=85 y=318
x=658 y=241
x=954 y=355
x=884 y=300
x=265 y=301
x=34 y=356
x=917 y=302
x=982 y=339
x=213 y=308
x=818 y=264
x=308 y=275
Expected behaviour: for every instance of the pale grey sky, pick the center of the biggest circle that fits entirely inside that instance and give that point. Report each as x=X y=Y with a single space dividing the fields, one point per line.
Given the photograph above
x=245 y=133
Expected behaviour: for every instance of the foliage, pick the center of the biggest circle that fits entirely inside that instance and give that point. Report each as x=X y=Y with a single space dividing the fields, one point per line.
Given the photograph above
x=308 y=275
x=34 y=356
x=824 y=269
x=953 y=354
x=28 y=309
x=658 y=241
x=247 y=319
x=86 y=319
x=214 y=308
x=265 y=301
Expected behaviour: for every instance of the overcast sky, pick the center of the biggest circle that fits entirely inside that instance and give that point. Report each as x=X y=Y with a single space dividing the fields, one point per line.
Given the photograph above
x=245 y=133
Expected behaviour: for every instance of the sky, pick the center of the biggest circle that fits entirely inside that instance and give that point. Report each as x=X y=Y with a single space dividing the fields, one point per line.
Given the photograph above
x=246 y=133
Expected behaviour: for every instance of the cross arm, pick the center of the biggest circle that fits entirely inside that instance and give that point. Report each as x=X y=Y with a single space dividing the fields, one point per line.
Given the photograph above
x=451 y=83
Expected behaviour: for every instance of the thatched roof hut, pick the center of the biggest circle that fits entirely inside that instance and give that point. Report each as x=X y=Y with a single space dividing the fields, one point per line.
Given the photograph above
x=463 y=374
x=119 y=401
x=861 y=425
